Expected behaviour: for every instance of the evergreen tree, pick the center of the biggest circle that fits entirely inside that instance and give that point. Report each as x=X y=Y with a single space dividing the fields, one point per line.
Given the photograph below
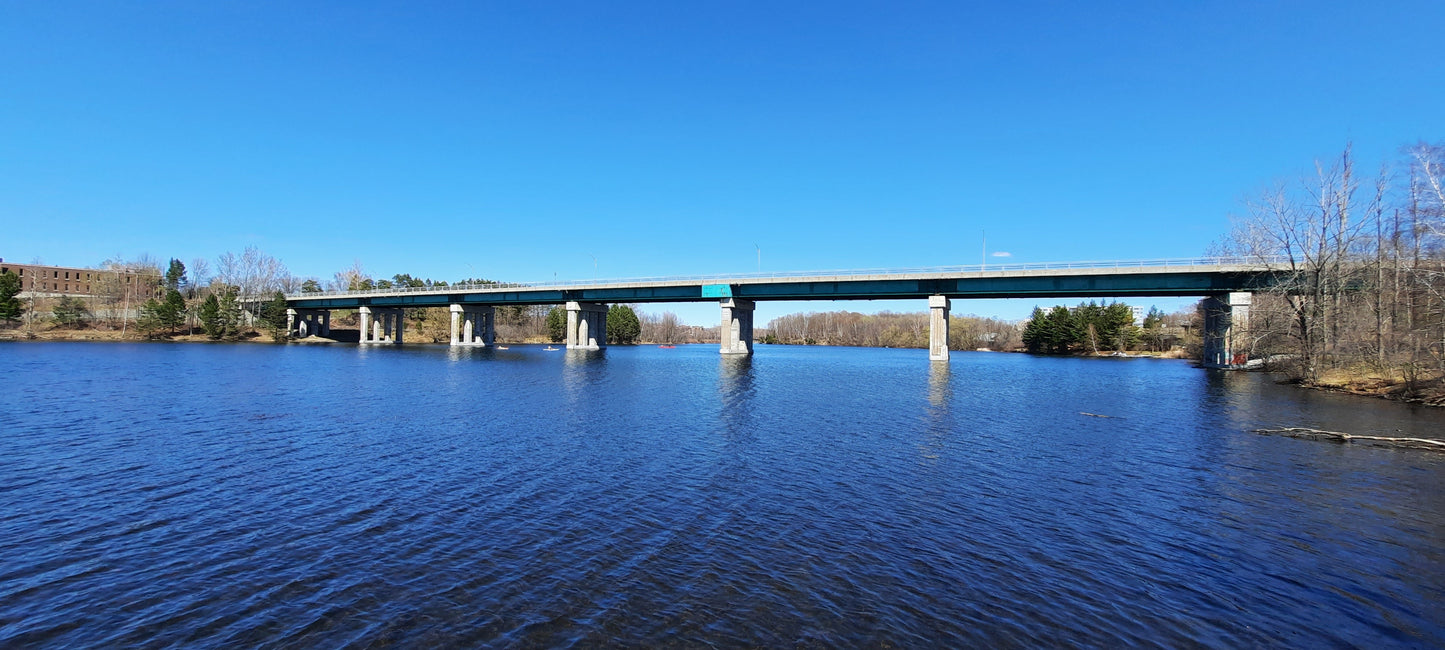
x=311 y=286
x=11 y=308
x=622 y=325
x=1063 y=330
x=228 y=315
x=1036 y=336
x=557 y=324
x=175 y=275
x=211 y=316
x=273 y=314
x=172 y=312
x=151 y=320
x=70 y=311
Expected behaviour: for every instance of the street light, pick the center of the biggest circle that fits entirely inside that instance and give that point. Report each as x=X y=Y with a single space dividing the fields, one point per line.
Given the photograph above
x=760 y=257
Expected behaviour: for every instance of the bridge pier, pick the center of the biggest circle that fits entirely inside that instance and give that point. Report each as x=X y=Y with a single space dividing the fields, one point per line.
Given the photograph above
x=383 y=326
x=586 y=325
x=302 y=323
x=474 y=326
x=737 y=326
x=938 y=307
x=1226 y=330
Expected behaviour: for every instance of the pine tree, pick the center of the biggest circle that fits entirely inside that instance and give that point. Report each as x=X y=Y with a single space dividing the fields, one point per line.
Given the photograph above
x=557 y=324
x=228 y=315
x=172 y=312
x=151 y=319
x=1036 y=335
x=211 y=316
x=175 y=275
x=622 y=325
x=1063 y=330
x=273 y=314
x=11 y=308
x=70 y=311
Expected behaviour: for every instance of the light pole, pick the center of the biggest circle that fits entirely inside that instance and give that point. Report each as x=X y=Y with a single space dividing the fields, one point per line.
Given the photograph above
x=594 y=268
x=760 y=257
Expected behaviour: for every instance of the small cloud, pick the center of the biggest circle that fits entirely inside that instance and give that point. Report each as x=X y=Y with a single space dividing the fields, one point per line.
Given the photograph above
x=1003 y=254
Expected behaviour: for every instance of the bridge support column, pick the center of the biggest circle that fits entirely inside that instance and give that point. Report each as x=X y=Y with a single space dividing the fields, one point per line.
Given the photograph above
x=1226 y=330
x=737 y=326
x=381 y=326
x=938 y=307
x=586 y=325
x=302 y=323
x=474 y=326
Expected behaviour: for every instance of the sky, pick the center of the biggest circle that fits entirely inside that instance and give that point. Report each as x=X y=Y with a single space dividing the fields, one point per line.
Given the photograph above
x=572 y=140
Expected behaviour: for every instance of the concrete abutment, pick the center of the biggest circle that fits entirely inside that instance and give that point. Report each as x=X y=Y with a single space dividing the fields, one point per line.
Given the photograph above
x=737 y=326
x=586 y=325
x=381 y=325
x=938 y=307
x=1227 y=341
x=473 y=325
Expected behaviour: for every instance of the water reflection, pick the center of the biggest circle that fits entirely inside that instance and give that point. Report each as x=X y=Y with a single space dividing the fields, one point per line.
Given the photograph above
x=735 y=392
x=940 y=418
x=581 y=369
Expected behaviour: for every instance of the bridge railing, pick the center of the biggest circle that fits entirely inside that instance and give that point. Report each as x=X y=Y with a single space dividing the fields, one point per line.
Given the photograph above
x=783 y=275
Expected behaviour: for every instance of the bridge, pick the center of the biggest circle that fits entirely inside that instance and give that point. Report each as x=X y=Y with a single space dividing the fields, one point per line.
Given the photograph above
x=1226 y=284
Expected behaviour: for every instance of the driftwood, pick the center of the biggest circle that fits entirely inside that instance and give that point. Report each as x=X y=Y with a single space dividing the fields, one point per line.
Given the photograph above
x=1096 y=415
x=1343 y=438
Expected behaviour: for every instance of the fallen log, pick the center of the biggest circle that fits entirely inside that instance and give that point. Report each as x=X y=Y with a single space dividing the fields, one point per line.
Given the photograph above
x=1345 y=438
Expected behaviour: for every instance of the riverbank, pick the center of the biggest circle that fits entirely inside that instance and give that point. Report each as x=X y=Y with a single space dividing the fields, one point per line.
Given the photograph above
x=117 y=336
x=1429 y=391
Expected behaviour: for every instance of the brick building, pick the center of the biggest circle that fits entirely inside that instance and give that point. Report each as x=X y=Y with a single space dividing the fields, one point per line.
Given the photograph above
x=45 y=280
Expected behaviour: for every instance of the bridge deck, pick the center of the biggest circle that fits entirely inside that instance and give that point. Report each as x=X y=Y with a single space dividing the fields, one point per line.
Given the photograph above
x=1065 y=280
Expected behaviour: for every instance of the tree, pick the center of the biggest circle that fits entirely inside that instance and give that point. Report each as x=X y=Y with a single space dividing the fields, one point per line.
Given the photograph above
x=228 y=315
x=273 y=314
x=172 y=312
x=557 y=324
x=150 y=322
x=211 y=316
x=70 y=311
x=310 y=286
x=11 y=307
x=622 y=325
x=175 y=275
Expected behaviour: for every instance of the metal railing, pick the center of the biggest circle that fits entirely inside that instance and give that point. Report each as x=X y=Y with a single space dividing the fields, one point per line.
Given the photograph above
x=786 y=275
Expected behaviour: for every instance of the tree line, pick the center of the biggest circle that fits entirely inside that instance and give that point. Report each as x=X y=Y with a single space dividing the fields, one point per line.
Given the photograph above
x=1364 y=265
x=888 y=329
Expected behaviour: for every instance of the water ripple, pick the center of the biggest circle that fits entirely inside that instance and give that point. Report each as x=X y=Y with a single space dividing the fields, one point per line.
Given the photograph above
x=178 y=495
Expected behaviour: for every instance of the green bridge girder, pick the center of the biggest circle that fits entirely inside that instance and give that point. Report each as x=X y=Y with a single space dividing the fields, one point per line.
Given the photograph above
x=1165 y=283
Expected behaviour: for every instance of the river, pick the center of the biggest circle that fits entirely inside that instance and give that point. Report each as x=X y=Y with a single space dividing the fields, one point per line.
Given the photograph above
x=249 y=495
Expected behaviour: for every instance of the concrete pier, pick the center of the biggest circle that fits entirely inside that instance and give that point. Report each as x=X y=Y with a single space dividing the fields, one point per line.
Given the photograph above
x=737 y=326
x=1226 y=330
x=301 y=323
x=381 y=326
x=473 y=325
x=938 y=307
x=586 y=325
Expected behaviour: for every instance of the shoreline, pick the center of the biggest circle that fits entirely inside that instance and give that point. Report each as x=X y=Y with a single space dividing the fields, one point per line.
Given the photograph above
x=1430 y=392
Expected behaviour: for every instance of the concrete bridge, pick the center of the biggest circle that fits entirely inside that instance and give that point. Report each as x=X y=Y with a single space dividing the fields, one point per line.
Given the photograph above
x=1226 y=284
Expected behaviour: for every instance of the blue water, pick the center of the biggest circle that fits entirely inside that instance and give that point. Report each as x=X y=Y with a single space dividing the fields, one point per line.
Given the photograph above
x=249 y=495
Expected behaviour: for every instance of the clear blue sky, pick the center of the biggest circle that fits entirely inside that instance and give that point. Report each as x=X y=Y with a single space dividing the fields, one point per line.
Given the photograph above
x=517 y=142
